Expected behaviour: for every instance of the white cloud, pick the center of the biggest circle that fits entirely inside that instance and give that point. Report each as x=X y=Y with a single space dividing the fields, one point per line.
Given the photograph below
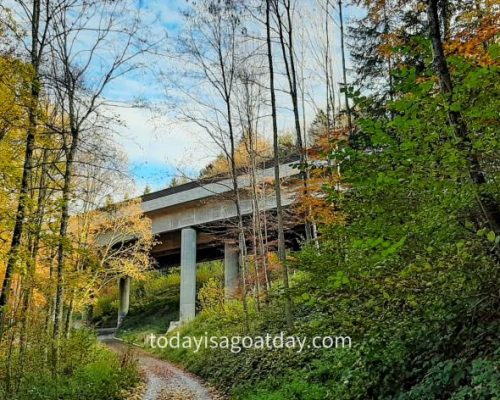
x=157 y=140
x=166 y=144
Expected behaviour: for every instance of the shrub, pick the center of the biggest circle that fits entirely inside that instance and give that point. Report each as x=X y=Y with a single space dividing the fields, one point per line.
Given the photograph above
x=87 y=370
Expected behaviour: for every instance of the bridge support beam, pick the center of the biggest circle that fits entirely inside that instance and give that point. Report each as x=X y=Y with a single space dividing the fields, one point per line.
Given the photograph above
x=188 y=275
x=124 y=303
x=231 y=269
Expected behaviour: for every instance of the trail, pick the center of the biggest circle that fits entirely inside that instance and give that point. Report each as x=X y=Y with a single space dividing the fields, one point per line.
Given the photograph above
x=164 y=381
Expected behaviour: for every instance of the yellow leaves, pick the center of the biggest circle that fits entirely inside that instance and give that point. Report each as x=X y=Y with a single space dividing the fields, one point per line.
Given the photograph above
x=211 y=295
x=122 y=220
x=473 y=28
x=480 y=30
x=260 y=149
x=273 y=262
x=13 y=77
x=113 y=241
x=312 y=200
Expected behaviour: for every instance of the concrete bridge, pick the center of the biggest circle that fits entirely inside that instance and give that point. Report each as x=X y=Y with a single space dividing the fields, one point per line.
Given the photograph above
x=193 y=223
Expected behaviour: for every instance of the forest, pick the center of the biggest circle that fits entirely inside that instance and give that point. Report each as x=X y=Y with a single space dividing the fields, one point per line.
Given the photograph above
x=377 y=221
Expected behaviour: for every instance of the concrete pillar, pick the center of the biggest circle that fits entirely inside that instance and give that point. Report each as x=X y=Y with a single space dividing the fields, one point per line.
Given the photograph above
x=188 y=275
x=231 y=269
x=124 y=286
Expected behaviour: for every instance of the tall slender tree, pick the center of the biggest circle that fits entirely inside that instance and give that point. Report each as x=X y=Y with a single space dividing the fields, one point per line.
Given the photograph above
x=39 y=16
x=286 y=38
x=78 y=88
x=344 y=68
x=277 y=180
x=489 y=207
x=210 y=46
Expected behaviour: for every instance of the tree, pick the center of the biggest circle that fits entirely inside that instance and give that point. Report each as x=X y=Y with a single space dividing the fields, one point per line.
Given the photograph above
x=286 y=37
x=210 y=46
x=488 y=205
x=78 y=87
x=344 y=68
x=51 y=140
x=111 y=242
x=39 y=15
x=277 y=181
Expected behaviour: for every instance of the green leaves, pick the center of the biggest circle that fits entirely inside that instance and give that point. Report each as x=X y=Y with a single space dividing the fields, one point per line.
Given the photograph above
x=380 y=248
x=338 y=280
x=394 y=248
x=487 y=233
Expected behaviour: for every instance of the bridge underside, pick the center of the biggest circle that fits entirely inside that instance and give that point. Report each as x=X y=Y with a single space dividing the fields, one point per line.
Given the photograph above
x=210 y=243
x=189 y=246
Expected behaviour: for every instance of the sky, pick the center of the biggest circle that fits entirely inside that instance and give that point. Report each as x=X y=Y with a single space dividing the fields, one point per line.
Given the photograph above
x=158 y=145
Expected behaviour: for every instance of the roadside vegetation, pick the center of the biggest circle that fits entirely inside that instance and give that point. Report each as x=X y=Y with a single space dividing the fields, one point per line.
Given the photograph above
x=90 y=371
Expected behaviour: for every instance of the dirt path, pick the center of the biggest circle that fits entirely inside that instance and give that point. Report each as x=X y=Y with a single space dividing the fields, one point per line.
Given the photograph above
x=164 y=381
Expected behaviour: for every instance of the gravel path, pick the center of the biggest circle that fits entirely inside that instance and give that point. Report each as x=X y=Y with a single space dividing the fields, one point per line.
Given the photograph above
x=164 y=381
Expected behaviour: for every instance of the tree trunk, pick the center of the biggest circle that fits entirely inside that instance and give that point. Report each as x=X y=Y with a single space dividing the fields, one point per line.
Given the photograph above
x=344 y=68
x=289 y=61
x=61 y=251
x=69 y=317
x=234 y=173
x=250 y=143
x=241 y=228
x=277 y=182
x=31 y=264
x=27 y=166
x=488 y=206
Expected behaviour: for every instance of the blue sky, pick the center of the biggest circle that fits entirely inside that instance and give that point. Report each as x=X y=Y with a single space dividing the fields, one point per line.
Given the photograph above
x=158 y=148
x=157 y=145
x=152 y=174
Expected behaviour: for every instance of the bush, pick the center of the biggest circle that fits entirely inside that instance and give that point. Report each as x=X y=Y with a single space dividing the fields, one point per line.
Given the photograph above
x=87 y=370
x=105 y=310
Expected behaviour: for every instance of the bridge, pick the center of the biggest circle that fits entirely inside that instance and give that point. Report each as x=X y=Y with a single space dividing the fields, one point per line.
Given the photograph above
x=195 y=222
